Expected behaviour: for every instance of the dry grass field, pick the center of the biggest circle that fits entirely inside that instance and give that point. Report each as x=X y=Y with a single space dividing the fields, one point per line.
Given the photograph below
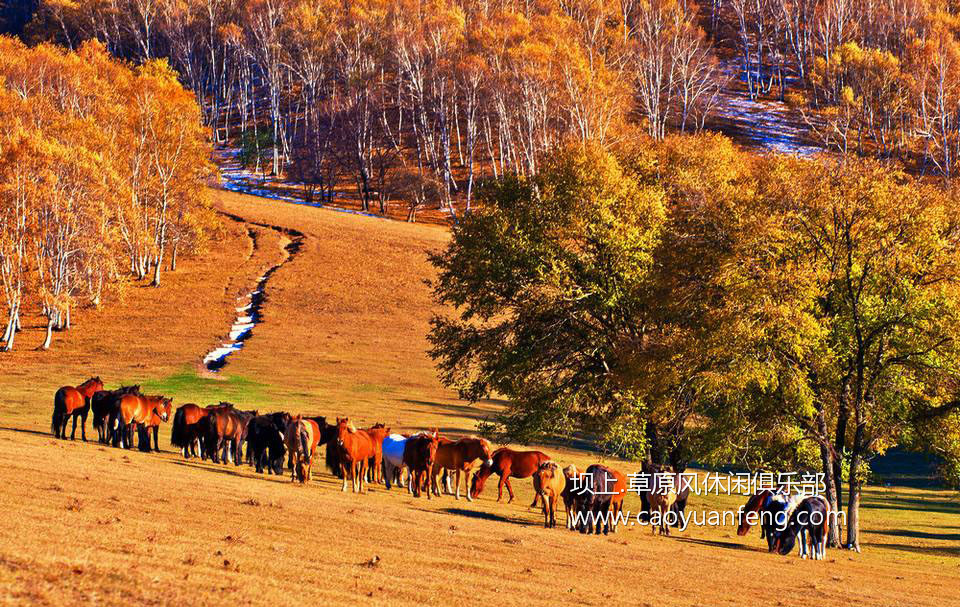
x=343 y=332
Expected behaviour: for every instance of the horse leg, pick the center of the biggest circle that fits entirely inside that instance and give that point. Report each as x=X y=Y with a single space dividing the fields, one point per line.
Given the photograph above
x=457 y=495
x=83 y=424
x=500 y=488
x=506 y=481
x=156 y=440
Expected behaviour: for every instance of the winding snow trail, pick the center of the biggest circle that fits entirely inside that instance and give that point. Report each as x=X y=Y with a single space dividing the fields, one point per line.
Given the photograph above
x=249 y=314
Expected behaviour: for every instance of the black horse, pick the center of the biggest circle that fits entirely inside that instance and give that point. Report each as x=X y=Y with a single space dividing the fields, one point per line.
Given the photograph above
x=105 y=404
x=809 y=521
x=265 y=442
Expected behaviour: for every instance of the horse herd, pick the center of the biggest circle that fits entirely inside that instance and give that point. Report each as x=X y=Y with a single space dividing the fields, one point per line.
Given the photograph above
x=592 y=502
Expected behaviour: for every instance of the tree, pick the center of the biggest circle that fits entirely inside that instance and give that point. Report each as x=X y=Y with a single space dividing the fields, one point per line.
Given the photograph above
x=855 y=281
x=543 y=278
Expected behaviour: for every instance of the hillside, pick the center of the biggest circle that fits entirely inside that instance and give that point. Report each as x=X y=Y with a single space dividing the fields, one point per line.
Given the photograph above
x=343 y=333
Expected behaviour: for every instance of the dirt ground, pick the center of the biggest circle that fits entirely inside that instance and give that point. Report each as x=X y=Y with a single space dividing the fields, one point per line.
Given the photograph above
x=343 y=333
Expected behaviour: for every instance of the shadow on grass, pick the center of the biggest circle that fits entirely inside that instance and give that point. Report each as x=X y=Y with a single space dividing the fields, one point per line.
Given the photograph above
x=924 y=550
x=717 y=544
x=944 y=506
x=479 y=514
x=42 y=433
x=924 y=535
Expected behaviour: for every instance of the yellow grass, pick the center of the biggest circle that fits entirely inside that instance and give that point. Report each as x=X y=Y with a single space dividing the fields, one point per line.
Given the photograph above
x=344 y=333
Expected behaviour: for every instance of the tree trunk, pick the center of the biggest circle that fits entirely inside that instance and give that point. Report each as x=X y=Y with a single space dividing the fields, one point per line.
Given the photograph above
x=157 y=268
x=828 y=463
x=49 y=338
x=11 y=333
x=839 y=446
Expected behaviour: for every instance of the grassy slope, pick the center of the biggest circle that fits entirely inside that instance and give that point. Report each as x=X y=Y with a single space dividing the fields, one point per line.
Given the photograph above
x=344 y=333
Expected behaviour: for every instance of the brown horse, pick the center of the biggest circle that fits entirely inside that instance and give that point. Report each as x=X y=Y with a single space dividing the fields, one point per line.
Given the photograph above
x=662 y=496
x=145 y=432
x=301 y=437
x=72 y=402
x=135 y=410
x=377 y=433
x=419 y=456
x=226 y=429
x=756 y=502
x=355 y=449
x=189 y=429
x=506 y=463
x=105 y=402
x=549 y=483
x=458 y=456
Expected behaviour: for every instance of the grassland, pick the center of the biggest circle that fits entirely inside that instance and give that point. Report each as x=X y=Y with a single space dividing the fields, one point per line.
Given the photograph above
x=343 y=333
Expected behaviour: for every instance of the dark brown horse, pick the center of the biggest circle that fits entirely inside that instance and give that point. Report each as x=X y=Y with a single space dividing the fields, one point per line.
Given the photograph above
x=103 y=403
x=151 y=427
x=506 y=463
x=756 y=502
x=419 y=456
x=356 y=448
x=602 y=496
x=136 y=410
x=189 y=429
x=73 y=402
x=227 y=429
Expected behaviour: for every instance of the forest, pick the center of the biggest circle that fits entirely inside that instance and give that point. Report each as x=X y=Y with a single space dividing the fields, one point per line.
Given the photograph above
x=102 y=176
x=413 y=101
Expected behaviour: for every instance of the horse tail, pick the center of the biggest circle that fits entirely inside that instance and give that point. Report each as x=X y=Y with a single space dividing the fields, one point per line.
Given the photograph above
x=59 y=409
x=178 y=433
x=332 y=458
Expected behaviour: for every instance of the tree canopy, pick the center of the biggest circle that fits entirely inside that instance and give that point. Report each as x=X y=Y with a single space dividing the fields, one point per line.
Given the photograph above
x=686 y=299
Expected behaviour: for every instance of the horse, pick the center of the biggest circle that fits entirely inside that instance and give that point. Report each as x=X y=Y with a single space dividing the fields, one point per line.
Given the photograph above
x=756 y=503
x=152 y=424
x=603 y=497
x=809 y=520
x=227 y=428
x=661 y=498
x=73 y=402
x=134 y=410
x=265 y=441
x=377 y=433
x=392 y=449
x=570 y=474
x=301 y=439
x=775 y=516
x=419 y=455
x=355 y=447
x=549 y=482
x=103 y=403
x=506 y=463
x=678 y=506
x=459 y=456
